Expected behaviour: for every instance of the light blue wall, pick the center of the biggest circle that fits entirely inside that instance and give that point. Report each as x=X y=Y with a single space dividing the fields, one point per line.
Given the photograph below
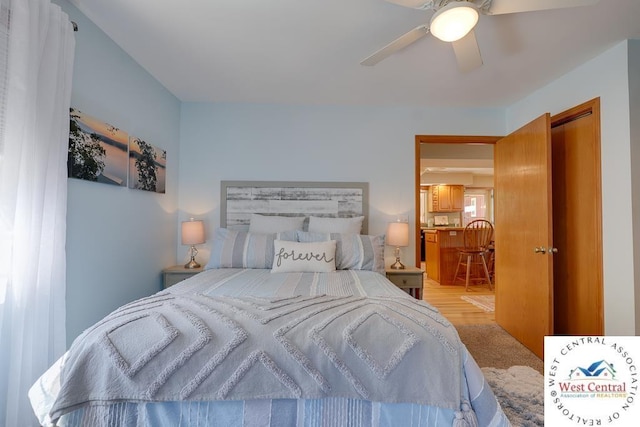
x=313 y=143
x=607 y=77
x=271 y=142
x=118 y=240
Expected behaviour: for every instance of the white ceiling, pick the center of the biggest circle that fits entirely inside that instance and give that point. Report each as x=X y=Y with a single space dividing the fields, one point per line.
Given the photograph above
x=309 y=51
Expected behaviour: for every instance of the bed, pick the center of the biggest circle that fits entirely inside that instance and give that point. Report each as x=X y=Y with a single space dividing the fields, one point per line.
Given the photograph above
x=292 y=323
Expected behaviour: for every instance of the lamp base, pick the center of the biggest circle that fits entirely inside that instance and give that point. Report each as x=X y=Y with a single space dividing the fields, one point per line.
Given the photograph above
x=192 y=264
x=397 y=265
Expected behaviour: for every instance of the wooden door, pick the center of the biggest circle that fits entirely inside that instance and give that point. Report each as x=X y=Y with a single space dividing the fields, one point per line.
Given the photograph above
x=577 y=221
x=523 y=210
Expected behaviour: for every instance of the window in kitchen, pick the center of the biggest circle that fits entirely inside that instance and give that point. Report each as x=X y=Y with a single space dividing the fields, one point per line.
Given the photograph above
x=477 y=205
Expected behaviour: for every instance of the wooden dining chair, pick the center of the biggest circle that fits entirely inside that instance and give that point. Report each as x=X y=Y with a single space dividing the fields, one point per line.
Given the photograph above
x=477 y=237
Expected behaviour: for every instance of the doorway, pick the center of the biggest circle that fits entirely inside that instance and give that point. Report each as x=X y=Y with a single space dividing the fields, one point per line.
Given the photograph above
x=575 y=298
x=438 y=139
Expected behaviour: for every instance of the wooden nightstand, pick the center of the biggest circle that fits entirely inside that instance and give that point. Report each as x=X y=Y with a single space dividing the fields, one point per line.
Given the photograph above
x=177 y=273
x=409 y=280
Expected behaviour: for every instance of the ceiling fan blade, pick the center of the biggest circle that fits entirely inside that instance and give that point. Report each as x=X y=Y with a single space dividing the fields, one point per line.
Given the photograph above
x=467 y=52
x=414 y=4
x=396 y=45
x=499 y=7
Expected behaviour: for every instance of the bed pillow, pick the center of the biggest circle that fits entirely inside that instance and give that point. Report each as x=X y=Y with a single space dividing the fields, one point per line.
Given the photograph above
x=318 y=224
x=353 y=251
x=315 y=257
x=274 y=223
x=240 y=249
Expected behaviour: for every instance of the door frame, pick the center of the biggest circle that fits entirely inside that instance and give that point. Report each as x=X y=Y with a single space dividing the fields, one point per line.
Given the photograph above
x=438 y=139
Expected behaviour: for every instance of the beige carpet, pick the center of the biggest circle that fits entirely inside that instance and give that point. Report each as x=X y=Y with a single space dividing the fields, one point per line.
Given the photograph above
x=491 y=346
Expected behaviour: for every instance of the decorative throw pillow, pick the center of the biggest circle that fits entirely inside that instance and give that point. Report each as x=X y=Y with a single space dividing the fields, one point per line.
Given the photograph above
x=353 y=251
x=314 y=257
x=319 y=224
x=274 y=223
x=239 y=249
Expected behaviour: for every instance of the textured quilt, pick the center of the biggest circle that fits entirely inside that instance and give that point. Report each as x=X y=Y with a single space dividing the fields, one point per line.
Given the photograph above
x=234 y=334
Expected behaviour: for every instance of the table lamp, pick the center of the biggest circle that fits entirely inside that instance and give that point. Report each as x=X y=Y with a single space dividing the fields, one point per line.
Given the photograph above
x=398 y=235
x=192 y=234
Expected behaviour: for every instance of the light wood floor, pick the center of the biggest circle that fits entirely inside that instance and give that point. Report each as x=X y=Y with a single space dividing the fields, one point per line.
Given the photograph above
x=459 y=312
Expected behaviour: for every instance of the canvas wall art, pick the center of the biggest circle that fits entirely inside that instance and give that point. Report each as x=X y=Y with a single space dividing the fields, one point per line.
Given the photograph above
x=97 y=150
x=147 y=166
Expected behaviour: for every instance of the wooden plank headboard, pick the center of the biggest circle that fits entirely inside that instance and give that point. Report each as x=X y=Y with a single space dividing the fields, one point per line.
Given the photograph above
x=240 y=199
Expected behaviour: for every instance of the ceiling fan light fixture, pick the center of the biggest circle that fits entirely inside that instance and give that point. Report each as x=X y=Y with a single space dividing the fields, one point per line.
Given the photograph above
x=454 y=21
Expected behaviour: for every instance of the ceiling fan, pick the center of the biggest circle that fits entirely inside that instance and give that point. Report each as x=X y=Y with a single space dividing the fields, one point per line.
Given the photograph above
x=454 y=20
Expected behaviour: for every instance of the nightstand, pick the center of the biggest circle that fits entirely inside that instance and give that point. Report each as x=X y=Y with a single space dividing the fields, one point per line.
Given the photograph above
x=410 y=280
x=177 y=273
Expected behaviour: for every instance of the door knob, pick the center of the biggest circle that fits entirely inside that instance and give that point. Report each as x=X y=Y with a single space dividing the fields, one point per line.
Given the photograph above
x=540 y=250
x=552 y=250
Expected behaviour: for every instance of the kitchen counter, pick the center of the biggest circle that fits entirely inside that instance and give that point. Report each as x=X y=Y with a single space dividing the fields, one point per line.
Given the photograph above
x=441 y=252
x=442 y=243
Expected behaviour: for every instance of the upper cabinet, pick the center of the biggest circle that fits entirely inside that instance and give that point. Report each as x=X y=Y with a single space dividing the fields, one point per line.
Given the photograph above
x=457 y=197
x=446 y=198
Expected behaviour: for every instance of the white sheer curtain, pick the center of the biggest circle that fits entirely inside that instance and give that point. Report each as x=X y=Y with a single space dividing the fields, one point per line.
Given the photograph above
x=37 y=47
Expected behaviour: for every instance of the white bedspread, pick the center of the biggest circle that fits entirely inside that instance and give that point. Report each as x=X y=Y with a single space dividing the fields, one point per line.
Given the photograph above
x=251 y=335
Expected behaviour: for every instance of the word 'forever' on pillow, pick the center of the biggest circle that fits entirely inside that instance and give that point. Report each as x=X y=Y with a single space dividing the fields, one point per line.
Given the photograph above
x=316 y=257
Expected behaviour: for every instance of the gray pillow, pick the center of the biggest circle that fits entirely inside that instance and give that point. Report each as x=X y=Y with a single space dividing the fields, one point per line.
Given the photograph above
x=240 y=249
x=353 y=251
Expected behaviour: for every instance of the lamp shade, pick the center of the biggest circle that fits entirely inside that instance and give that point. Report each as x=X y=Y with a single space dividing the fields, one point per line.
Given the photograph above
x=454 y=21
x=398 y=234
x=192 y=232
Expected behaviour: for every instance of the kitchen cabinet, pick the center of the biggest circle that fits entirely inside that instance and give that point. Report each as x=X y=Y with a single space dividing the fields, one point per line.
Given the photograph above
x=446 y=198
x=457 y=197
x=432 y=252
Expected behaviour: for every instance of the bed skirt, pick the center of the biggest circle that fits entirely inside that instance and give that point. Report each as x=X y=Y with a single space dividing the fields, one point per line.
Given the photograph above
x=278 y=412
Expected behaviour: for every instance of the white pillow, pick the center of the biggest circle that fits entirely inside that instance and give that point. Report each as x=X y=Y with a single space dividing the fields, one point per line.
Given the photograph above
x=313 y=257
x=274 y=223
x=353 y=225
